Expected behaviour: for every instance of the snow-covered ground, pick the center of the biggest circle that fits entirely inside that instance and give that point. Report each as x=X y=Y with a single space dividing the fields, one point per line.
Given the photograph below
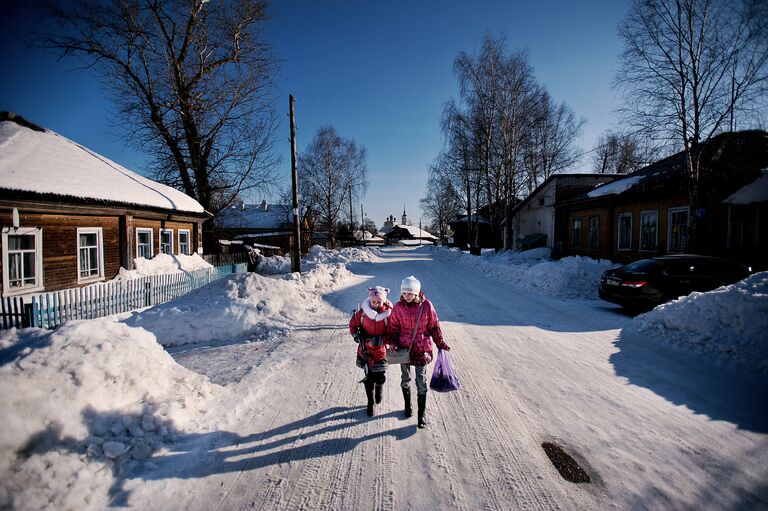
x=255 y=402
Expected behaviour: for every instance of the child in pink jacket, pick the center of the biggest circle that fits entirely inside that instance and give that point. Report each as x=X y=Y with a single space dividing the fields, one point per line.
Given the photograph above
x=414 y=324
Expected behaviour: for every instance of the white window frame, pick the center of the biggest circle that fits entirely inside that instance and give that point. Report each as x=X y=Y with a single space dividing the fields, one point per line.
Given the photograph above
x=39 y=284
x=669 y=228
x=618 y=232
x=189 y=241
x=656 y=240
x=151 y=241
x=100 y=245
x=166 y=231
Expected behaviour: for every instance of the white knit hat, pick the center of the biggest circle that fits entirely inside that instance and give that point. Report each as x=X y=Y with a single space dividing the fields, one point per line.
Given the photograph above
x=410 y=285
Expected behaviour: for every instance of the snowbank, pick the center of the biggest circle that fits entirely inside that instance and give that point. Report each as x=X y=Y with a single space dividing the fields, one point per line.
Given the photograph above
x=163 y=263
x=728 y=324
x=91 y=399
x=241 y=306
x=318 y=254
x=570 y=277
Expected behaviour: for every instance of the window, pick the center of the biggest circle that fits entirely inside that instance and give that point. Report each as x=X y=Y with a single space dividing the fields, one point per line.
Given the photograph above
x=576 y=232
x=593 y=236
x=184 y=241
x=144 y=243
x=649 y=232
x=90 y=250
x=678 y=230
x=166 y=241
x=22 y=260
x=625 y=231
x=742 y=228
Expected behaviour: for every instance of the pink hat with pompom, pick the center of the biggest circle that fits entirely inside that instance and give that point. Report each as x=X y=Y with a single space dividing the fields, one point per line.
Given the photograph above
x=378 y=292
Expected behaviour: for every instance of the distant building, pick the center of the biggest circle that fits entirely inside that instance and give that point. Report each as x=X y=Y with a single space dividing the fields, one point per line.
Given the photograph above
x=409 y=235
x=260 y=224
x=389 y=223
x=369 y=240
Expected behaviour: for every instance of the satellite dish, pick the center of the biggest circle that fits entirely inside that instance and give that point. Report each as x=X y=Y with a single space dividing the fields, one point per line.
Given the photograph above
x=15 y=218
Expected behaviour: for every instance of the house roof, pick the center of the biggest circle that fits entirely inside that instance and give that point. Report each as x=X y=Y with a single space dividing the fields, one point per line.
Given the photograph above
x=734 y=152
x=415 y=232
x=255 y=216
x=463 y=218
x=756 y=191
x=39 y=162
x=366 y=236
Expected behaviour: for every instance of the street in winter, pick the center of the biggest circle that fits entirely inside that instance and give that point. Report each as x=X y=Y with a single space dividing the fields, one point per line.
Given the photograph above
x=258 y=402
x=363 y=256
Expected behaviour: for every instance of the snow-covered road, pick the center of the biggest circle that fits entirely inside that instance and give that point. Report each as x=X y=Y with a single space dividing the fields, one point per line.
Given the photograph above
x=655 y=428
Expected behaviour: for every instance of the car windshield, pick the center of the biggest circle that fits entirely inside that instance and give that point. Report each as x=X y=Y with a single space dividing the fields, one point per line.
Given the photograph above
x=641 y=266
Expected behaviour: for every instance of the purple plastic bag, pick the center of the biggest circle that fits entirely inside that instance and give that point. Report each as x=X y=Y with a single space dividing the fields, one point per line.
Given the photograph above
x=444 y=378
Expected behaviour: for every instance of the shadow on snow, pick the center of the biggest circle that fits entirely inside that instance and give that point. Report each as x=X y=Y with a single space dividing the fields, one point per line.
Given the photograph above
x=178 y=455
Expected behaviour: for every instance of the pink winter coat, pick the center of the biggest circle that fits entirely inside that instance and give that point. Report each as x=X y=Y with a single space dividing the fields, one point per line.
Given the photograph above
x=402 y=322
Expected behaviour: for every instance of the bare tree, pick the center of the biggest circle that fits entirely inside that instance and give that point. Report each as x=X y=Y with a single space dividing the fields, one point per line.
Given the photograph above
x=691 y=69
x=550 y=148
x=331 y=170
x=441 y=203
x=503 y=135
x=616 y=153
x=192 y=83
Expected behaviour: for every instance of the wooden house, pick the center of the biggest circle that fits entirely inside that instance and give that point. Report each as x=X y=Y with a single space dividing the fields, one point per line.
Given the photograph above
x=534 y=219
x=71 y=217
x=261 y=224
x=648 y=212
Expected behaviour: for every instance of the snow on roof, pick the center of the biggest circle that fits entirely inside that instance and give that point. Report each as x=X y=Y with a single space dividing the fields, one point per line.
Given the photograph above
x=615 y=187
x=414 y=243
x=255 y=216
x=756 y=191
x=415 y=232
x=47 y=163
x=367 y=236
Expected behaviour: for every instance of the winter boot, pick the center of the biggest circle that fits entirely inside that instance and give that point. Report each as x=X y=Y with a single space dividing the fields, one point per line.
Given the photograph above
x=407 y=399
x=369 y=395
x=421 y=400
x=378 y=389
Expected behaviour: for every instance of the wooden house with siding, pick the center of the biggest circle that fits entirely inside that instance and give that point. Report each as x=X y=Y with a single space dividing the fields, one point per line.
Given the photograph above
x=70 y=217
x=647 y=212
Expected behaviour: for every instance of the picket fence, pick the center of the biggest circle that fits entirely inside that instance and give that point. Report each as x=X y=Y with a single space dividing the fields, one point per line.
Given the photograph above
x=52 y=309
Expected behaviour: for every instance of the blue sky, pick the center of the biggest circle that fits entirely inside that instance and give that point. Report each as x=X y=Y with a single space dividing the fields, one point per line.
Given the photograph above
x=379 y=72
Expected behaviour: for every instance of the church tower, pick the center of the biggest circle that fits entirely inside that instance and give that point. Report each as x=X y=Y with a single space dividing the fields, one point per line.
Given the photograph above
x=405 y=217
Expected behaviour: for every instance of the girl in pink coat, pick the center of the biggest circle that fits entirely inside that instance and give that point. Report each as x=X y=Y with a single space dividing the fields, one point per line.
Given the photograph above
x=370 y=323
x=414 y=324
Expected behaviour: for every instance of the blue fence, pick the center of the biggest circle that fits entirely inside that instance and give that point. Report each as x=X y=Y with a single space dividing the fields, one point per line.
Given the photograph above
x=49 y=310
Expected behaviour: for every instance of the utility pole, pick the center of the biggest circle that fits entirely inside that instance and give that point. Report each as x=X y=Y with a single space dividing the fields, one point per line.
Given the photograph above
x=296 y=252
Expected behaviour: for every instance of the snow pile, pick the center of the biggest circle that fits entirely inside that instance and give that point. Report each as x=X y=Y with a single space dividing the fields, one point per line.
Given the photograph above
x=163 y=263
x=570 y=277
x=241 y=306
x=274 y=265
x=90 y=400
x=729 y=323
x=318 y=254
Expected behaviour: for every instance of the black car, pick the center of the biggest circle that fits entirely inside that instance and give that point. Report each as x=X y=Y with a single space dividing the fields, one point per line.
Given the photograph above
x=646 y=283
